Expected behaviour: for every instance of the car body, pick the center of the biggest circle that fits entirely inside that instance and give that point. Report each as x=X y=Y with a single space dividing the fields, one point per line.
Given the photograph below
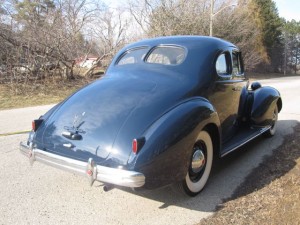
x=164 y=110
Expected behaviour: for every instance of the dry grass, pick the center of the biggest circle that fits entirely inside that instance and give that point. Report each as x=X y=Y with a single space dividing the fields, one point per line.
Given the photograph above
x=42 y=93
x=54 y=90
x=270 y=194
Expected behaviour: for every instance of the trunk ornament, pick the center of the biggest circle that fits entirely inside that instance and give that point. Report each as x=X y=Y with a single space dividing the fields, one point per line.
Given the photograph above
x=74 y=132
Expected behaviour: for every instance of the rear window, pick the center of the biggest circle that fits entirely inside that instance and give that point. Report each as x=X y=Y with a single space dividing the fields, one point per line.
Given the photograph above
x=133 y=56
x=166 y=55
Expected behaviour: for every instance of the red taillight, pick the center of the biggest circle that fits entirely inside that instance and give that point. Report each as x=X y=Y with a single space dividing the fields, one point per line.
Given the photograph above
x=134 y=146
x=35 y=124
x=137 y=144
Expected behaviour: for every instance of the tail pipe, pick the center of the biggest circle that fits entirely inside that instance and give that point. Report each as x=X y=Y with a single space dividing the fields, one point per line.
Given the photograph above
x=107 y=188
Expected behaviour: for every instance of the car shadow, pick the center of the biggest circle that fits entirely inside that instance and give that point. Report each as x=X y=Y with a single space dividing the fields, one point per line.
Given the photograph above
x=228 y=174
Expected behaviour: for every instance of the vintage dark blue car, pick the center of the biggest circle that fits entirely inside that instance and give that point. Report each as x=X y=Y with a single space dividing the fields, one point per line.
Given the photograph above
x=165 y=109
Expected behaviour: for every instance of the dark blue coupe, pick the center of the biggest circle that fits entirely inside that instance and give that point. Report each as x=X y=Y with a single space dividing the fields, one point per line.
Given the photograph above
x=165 y=109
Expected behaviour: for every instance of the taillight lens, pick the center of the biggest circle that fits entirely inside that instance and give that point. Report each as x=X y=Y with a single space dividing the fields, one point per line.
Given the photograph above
x=137 y=144
x=134 y=146
x=36 y=124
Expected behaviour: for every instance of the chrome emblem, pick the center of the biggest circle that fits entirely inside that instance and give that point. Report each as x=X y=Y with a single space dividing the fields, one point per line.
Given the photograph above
x=77 y=123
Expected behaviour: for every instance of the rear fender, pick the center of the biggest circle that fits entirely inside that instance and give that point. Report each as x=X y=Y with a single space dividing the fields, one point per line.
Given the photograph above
x=265 y=100
x=164 y=157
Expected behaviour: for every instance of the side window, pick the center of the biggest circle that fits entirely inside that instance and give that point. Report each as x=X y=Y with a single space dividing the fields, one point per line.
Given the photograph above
x=222 y=67
x=236 y=64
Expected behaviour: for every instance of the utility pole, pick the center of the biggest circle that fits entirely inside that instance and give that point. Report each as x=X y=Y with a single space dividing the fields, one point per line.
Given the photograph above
x=212 y=14
x=212 y=2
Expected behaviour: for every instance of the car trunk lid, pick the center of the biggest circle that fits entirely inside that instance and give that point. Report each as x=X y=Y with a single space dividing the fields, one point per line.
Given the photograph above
x=87 y=124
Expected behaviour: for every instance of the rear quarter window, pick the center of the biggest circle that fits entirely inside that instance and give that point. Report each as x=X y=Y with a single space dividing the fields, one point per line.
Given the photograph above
x=223 y=64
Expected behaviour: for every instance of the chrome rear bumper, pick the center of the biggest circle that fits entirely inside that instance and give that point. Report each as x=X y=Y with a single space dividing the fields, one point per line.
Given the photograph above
x=89 y=169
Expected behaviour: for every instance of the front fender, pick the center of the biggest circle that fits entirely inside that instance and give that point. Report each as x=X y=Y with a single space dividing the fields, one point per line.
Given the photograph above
x=265 y=100
x=165 y=156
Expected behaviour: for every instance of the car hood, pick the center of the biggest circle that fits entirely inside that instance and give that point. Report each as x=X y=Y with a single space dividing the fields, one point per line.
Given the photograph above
x=107 y=115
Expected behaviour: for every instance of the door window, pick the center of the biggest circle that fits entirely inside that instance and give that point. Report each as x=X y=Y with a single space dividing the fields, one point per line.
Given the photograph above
x=236 y=64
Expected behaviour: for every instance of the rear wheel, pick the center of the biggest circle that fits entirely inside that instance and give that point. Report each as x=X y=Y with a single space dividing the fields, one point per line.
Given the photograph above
x=199 y=166
x=271 y=132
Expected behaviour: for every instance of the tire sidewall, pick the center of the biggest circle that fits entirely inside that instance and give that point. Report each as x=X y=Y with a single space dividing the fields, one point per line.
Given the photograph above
x=271 y=132
x=193 y=188
x=273 y=128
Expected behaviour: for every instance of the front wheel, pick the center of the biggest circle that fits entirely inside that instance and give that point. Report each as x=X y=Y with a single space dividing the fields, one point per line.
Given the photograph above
x=199 y=166
x=271 y=132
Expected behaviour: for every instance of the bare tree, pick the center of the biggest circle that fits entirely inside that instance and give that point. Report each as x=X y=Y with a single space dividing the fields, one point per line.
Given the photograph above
x=191 y=17
x=110 y=34
x=49 y=35
x=237 y=25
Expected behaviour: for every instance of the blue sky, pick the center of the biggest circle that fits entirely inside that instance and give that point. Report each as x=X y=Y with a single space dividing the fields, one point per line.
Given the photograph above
x=289 y=9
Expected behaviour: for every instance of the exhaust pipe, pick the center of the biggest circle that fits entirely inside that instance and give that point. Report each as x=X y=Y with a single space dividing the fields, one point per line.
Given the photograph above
x=107 y=188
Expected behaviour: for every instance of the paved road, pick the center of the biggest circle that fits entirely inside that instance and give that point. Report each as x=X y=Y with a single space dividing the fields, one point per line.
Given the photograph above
x=44 y=195
x=15 y=120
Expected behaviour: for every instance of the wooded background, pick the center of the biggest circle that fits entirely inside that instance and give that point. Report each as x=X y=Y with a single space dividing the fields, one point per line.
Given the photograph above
x=45 y=38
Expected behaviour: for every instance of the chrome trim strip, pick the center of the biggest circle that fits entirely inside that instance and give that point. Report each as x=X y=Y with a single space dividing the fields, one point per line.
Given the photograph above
x=263 y=130
x=89 y=169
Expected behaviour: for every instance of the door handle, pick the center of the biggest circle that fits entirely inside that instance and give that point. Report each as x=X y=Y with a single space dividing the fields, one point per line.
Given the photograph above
x=71 y=135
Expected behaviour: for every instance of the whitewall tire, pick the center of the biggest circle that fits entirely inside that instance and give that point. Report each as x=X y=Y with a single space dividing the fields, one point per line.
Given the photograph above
x=200 y=165
x=271 y=132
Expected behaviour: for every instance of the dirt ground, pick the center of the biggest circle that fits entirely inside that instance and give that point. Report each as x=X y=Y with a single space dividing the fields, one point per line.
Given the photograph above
x=270 y=194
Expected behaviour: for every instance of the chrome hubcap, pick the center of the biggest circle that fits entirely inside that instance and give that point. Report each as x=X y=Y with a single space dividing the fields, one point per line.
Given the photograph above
x=198 y=161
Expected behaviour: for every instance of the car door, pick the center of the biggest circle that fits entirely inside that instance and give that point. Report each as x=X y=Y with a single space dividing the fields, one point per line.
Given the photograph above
x=225 y=96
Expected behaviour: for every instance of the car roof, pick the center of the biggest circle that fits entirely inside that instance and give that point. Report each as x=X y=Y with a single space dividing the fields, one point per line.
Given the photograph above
x=187 y=41
x=201 y=51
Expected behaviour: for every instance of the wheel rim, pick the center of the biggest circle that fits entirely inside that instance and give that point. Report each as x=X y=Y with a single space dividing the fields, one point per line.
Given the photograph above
x=198 y=162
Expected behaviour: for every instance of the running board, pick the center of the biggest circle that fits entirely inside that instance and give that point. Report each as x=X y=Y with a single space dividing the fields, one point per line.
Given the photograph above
x=242 y=138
